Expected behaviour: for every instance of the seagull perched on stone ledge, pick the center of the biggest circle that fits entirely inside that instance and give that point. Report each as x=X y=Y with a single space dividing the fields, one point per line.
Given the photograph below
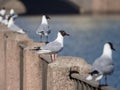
x=2 y=14
x=43 y=29
x=13 y=13
x=103 y=65
x=13 y=27
x=53 y=47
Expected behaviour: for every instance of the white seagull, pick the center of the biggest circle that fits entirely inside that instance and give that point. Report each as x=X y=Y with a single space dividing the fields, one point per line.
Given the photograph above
x=13 y=27
x=53 y=47
x=103 y=65
x=43 y=29
x=2 y=14
x=13 y=13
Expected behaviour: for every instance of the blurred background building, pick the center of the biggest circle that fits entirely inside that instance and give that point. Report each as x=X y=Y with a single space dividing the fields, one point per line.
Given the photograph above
x=63 y=6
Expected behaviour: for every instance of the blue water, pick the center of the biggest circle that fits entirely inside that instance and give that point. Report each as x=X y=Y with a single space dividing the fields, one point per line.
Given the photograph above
x=88 y=34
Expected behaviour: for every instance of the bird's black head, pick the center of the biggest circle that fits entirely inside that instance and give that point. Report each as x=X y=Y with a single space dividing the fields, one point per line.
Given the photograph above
x=111 y=45
x=47 y=17
x=94 y=72
x=9 y=17
x=63 y=33
x=3 y=8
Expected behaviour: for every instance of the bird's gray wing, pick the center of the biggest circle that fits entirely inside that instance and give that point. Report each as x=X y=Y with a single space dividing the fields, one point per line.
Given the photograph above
x=52 y=46
x=14 y=27
x=102 y=63
x=108 y=69
x=42 y=27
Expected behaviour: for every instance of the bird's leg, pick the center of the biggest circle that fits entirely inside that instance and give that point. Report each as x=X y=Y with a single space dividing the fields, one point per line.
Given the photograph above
x=100 y=82
x=46 y=40
x=106 y=80
x=52 y=57
x=55 y=56
x=40 y=38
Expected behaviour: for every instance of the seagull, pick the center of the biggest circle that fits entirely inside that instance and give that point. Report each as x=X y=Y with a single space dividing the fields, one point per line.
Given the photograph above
x=13 y=13
x=53 y=47
x=103 y=65
x=43 y=29
x=13 y=27
x=5 y=20
x=2 y=14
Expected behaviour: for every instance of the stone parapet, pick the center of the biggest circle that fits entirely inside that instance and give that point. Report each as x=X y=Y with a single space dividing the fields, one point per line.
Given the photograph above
x=58 y=72
x=23 y=69
x=13 y=59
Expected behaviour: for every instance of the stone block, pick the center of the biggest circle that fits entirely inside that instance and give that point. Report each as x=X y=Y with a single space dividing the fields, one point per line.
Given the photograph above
x=3 y=31
x=2 y=61
x=32 y=72
x=13 y=60
x=107 y=88
x=33 y=69
x=58 y=72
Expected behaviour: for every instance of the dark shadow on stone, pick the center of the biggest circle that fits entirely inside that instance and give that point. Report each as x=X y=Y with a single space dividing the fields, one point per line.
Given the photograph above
x=50 y=7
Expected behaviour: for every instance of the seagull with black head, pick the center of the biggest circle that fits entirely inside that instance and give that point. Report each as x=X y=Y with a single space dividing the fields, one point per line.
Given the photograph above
x=53 y=47
x=43 y=29
x=2 y=14
x=7 y=16
x=13 y=27
x=104 y=65
x=13 y=13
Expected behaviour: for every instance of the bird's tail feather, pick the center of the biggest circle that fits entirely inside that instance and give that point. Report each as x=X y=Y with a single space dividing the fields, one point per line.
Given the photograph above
x=35 y=49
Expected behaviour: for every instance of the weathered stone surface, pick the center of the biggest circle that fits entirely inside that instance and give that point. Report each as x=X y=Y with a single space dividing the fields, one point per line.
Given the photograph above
x=12 y=65
x=46 y=58
x=13 y=60
x=2 y=61
x=32 y=69
x=3 y=31
x=18 y=37
x=82 y=78
x=32 y=72
x=107 y=88
x=58 y=72
x=23 y=69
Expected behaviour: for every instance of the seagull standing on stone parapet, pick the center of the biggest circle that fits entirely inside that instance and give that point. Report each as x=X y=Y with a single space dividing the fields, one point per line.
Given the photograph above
x=13 y=27
x=43 y=29
x=103 y=65
x=53 y=47
x=2 y=14
x=13 y=13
